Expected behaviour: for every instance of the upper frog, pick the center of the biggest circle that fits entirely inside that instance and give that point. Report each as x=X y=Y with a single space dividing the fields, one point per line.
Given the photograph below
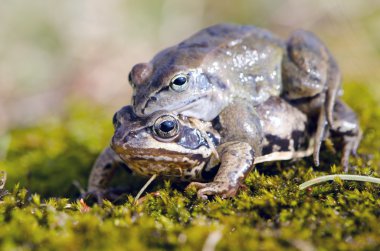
x=202 y=75
x=233 y=68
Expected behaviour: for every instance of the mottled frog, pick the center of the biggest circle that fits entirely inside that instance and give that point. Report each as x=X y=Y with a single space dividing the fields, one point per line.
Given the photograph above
x=186 y=149
x=227 y=69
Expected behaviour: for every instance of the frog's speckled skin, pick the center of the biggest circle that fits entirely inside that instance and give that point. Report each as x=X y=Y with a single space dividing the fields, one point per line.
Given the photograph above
x=267 y=99
x=194 y=153
x=223 y=63
x=234 y=68
x=179 y=158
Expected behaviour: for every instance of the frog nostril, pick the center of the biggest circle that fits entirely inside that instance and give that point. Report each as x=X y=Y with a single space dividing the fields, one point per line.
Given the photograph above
x=126 y=138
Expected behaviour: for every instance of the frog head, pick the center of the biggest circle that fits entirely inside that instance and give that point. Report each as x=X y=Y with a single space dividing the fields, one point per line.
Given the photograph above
x=161 y=143
x=184 y=78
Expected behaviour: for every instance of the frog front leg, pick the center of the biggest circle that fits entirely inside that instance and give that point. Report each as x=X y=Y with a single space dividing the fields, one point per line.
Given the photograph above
x=236 y=162
x=311 y=81
x=102 y=173
x=242 y=137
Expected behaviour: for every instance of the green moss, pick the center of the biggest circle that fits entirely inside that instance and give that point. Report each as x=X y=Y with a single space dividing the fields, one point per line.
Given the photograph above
x=270 y=214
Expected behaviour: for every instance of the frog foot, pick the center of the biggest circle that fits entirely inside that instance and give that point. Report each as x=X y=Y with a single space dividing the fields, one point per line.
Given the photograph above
x=350 y=146
x=213 y=188
x=94 y=195
x=346 y=127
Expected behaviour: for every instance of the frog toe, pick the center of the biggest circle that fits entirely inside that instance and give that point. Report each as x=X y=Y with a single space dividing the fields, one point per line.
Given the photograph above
x=94 y=195
x=213 y=189
x=346 y=127
x=196 y=185
x=350 y=146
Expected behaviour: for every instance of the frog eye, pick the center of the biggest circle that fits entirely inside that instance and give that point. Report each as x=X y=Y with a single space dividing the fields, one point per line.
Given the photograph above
x=166 y=127
x=179 y=82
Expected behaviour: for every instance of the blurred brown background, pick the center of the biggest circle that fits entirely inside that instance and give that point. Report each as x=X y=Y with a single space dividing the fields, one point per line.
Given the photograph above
x=54 y=52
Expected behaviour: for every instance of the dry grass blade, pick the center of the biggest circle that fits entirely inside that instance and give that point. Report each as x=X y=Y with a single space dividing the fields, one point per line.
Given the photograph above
x=144 y=187
x=340 y=176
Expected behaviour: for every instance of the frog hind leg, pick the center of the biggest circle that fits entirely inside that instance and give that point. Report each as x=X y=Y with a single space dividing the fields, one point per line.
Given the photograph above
x=236 y=162
x=346 y=127
x=319 y=135
x=310 y=74
x=101 y=174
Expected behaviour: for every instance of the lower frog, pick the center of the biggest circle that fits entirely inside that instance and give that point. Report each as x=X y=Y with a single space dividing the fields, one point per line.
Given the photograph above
x=204 y=153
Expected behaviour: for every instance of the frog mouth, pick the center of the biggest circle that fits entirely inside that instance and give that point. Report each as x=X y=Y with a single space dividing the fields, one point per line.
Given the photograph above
x=153 y=154
x=160 y=165
x=176 y=107
x=188 y=105
x=163 y=163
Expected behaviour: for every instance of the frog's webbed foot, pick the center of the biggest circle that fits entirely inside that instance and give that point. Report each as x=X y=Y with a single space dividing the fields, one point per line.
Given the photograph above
x=311 y=81
x=221 y=189
x=346 y=127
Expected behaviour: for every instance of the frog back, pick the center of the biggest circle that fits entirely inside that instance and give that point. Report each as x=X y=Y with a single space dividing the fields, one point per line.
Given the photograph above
x=246 y=59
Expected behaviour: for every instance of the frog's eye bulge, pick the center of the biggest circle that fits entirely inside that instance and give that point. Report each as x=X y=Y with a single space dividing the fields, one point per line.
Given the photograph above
x=140 y=73
x=179 y=82
x=115 y=121
x=166 y=127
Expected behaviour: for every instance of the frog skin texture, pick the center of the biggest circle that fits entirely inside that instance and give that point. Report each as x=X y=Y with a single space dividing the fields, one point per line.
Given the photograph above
x=207 y=155
x=227 y=69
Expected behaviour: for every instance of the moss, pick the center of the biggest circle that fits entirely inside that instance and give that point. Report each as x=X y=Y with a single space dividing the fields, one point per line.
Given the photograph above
x=270 y=214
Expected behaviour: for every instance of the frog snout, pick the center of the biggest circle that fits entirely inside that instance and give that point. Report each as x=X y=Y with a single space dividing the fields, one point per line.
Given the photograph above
x=119 y=138
x=120 y=141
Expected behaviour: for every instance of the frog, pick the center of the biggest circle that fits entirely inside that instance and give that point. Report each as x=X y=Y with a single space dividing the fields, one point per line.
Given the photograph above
x=229 y=68
x=162 y=143
x=185 y=149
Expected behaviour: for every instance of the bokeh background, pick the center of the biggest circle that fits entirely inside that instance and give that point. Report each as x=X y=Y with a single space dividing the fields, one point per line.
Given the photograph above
x=56 y=56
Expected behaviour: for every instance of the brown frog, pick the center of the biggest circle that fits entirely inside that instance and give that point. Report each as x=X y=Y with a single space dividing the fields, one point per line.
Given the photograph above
x=186 y=149
x=229 y=69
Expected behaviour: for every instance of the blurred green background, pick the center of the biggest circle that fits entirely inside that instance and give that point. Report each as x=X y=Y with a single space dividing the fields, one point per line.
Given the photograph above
x=64 y=67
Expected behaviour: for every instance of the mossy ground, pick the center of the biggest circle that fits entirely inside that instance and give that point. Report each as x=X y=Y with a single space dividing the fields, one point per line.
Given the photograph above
x=42 y=213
